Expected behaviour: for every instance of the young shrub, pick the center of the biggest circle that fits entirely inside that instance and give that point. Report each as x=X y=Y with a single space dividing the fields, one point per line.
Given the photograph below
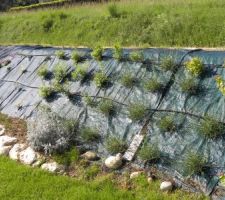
x=153 y=85
x=136 y=56
x=211 y=128
x=113 y=11
x=97 y=53
x=60 y=54
x=166 y=124
x=194 y=163
x=128 y=80
x=137 y=111
x=167 y=64
x=68 y=157
x=76 y=57
x=46 y=91
x=195 y=66
x=116 y=145
x=100 y=79
x=50 y=133
x=59 y=73
x=90 y=101
x=220 y=84
x=80 y=73
x=189 y=86
x=107 y=107
x=43 y=72
x=118 y=53
x=149 y=153
x=89 y=134
x=92 y=171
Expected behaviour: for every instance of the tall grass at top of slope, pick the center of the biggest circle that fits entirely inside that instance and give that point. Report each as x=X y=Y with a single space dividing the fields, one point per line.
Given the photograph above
x=140 y=23
x=22 y=182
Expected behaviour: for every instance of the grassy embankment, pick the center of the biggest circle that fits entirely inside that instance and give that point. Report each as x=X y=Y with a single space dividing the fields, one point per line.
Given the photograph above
x=141 y=23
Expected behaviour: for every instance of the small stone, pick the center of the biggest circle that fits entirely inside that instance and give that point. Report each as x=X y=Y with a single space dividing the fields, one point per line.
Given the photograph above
x=135 y=174
x=51 y=167
x=114 y=162
x=4 y=150
x=89 y=155
x=28 y=156
x=2 y=130
x=150 y=179
x=16 y=149
x=7 y=141
x=37 y=163
x=166 y=186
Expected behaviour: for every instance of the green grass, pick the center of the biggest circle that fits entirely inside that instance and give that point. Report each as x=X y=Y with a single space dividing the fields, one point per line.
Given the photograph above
x=22 y=182
x=133 y=23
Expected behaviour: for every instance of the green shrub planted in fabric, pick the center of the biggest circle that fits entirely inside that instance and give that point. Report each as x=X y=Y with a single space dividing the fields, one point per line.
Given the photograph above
x=189 y=86
x=153 y=85
x=100 y=79
x=137 y=111
x=167 y=63
x=116 y=145
x=211 y=128
x=137 y=56
x=76 y=57
x=59 y=73
x=97 y=53
x=43 y=71
x=149 y=153
x=89 y=134
x=90 y=101
x=80 y=73
x=118 y=52
x=107 y=107
x=195 y=66
x=167 y=124
x=46 y=91
x=128 y=80
x=60 y=54
x=194 y=163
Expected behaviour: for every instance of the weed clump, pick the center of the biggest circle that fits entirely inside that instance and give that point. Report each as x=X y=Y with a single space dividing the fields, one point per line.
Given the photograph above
x=80 y=73
x=194 y=163
x=211 y=128
x=195 y=66
x=113 y=11
x=43 y=72
x=100 y=79
x=47 y=24
x=167 y=64
x=137 y=56
x=153 y=86
x=137 y=111
x=89 y=135
x=107 y=107
x=189 y=86
x=61 y=54
x=128 y=80
x=118 y=53
x=116 y=145
x=97 y=53
x=149 y=153
x=167 y=124
x=92 y=171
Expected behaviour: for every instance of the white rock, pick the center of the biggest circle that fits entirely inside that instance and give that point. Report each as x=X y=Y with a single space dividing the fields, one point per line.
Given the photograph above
x=135 y=174
x=166 y=186
x=37 y=163
x=16 y=149
x=150 y=179
x=51 y=167
x=4 y=150
x=7 y=141
x=28 y=156
x=89 y=155
x=114 y=162
x=2 y=130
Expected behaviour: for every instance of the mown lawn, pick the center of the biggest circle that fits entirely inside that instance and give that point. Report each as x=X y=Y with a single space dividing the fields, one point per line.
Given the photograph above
x=20 y=182
x=140 y=23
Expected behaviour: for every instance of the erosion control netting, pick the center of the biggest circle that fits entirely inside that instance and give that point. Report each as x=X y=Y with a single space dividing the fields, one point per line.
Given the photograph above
x=19 y=97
